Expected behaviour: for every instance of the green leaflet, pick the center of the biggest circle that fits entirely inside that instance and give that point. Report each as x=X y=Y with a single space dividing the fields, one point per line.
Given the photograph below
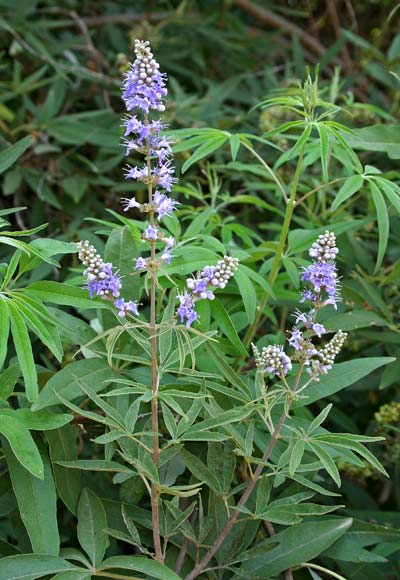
x=65 y=383
x=12 y=153
x=351 y=186
x=139 y=564
x=39 y=421
x=23 y=347
x=23 y=446
x=297 y=544
x=383 y=223
x=62 y=447
x=8 y=379
x=341 y=376
x=91 y=525
x=4 y=330
x=37 y=502
x=30 y=567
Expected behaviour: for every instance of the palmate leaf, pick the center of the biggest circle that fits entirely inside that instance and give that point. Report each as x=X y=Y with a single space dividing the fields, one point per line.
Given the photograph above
x=93 y=371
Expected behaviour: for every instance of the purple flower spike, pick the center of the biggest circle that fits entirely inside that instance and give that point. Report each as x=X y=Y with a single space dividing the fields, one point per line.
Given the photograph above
x=144 y=85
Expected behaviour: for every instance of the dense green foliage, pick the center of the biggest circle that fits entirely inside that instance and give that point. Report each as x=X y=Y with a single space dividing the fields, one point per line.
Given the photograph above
x=271 y=151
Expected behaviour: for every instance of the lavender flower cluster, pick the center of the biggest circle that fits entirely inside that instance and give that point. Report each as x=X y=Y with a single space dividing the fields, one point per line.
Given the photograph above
x=200 y=287
x=321 y=274
x=102 y=280
x=322 y=277
x=144 y=91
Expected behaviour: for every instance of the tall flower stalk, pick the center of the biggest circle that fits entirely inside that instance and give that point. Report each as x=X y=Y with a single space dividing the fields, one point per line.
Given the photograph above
x=144 y=92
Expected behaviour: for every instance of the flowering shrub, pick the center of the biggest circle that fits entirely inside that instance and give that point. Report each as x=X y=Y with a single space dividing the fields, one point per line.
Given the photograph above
x=204 y=458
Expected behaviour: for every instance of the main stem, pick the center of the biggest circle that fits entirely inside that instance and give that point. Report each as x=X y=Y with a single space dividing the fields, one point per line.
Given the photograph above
x=251 y=331
x=234 y=515
x=155 y=513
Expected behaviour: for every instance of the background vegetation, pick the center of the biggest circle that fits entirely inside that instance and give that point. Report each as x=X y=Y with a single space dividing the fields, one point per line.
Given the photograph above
x=60 y=72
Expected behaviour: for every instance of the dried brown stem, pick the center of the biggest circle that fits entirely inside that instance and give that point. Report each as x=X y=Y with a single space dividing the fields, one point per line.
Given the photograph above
x=267 y=17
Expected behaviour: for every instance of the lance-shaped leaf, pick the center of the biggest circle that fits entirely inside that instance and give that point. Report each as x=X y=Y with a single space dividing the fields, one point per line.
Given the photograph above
x=91 y=525
x=23 y=348
x=297 y=544
x=31 y=566
x=37 y=503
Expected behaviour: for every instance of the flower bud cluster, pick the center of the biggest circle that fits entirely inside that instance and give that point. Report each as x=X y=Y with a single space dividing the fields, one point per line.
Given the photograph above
x=324 y=249
x=144 y=85
x=218 y=276
x=272 y=359
x=200 y=287
x=101 y=280
x=327 y=356
x=388 y=413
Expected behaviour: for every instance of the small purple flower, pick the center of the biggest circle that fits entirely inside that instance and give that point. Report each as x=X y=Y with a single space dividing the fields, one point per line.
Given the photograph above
x=101 y=280
x=140 y=174
x=124 y=307
x=199 y=286
x=296 y=339
x=164 y=204
x=141 y=263
x=169 y=242
x=130 y=203
x=166 y=257
x=319 y=329
x=186 y=311
x=163 y=175
x=307 y=295
x=151 y=233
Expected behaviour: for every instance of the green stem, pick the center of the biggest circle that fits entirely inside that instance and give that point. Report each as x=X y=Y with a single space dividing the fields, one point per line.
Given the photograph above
x=116 y=576
x=251 y=331
x=268 y=168
x=322 y=569
x=199 y=567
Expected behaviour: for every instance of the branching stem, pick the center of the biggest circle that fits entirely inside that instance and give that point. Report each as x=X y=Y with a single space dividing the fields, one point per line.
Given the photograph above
x=251 y=331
